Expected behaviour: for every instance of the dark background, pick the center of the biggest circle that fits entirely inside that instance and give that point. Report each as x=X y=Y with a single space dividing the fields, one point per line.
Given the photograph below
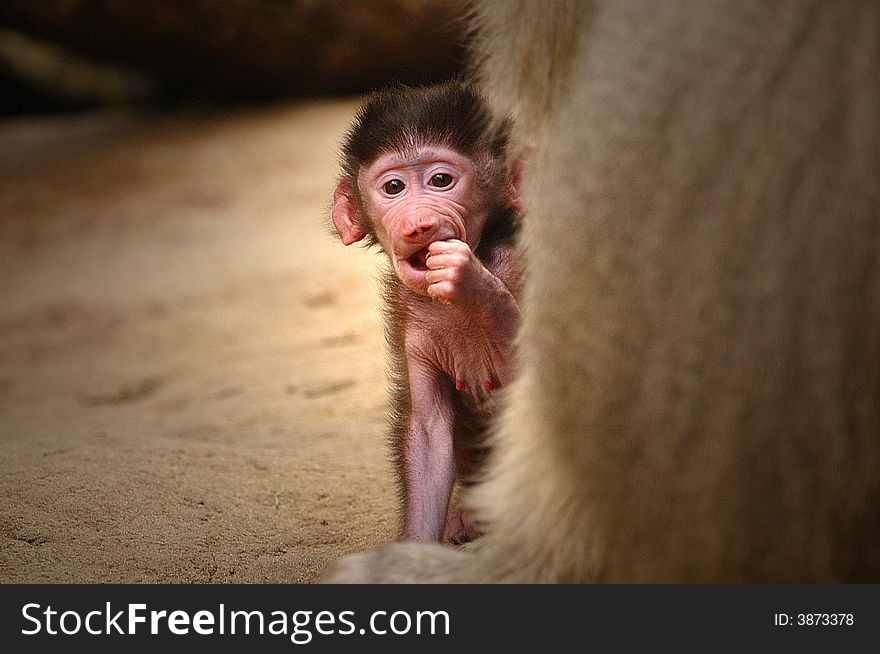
x=69 y=54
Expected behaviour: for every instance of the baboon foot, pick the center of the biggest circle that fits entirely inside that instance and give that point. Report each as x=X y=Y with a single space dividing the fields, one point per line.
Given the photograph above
x=461 y=526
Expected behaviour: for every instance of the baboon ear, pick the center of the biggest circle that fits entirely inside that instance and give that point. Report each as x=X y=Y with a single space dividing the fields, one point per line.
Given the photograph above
x=345 y=214
x=515 y=185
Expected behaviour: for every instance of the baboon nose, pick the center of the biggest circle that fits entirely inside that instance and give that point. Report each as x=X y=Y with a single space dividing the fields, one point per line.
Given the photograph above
x=419 y=229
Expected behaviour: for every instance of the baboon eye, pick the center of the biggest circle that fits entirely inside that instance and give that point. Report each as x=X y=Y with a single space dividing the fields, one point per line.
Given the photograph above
x=441 y=180
x=393 y=186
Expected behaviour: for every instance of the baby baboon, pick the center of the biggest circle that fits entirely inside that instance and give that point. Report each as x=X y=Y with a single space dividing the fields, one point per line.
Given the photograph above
x=699 y=391
x=426 y=177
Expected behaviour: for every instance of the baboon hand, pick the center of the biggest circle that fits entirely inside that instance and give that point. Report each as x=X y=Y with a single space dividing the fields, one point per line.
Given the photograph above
x=455 y=275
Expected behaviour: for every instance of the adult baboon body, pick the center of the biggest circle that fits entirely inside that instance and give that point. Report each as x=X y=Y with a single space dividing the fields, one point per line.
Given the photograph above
x=699 y=393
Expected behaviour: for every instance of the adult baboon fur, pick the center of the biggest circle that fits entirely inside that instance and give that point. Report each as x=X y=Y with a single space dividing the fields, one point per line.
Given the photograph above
x=699 y=389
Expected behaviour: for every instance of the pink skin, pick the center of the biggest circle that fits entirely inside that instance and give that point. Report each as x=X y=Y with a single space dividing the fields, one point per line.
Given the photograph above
x=423 y=212
x=461 y=313
x=461 y=526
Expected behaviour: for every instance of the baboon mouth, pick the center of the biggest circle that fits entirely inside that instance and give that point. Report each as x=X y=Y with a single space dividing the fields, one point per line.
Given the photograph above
x=419 y=260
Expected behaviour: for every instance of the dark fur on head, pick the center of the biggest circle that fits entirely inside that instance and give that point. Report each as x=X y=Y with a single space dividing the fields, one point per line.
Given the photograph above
x=453 y=114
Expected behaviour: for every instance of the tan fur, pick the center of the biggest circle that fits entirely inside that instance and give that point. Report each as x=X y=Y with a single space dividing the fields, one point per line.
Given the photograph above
x=699 y=395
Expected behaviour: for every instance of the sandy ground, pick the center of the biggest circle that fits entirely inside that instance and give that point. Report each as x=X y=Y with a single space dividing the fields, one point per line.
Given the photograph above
x=191 y=371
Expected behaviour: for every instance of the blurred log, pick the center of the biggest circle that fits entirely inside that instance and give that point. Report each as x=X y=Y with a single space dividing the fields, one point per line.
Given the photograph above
x=255 y=49
x=37 y=76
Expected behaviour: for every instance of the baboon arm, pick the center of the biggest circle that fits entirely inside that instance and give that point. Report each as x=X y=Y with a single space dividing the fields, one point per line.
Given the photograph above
x=502 y=318
x=429 y=466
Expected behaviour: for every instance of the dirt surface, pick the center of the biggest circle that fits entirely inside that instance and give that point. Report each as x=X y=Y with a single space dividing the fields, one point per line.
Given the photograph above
x=191 y=371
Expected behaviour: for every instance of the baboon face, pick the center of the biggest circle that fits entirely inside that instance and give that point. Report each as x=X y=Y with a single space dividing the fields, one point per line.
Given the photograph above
x=412 y=201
